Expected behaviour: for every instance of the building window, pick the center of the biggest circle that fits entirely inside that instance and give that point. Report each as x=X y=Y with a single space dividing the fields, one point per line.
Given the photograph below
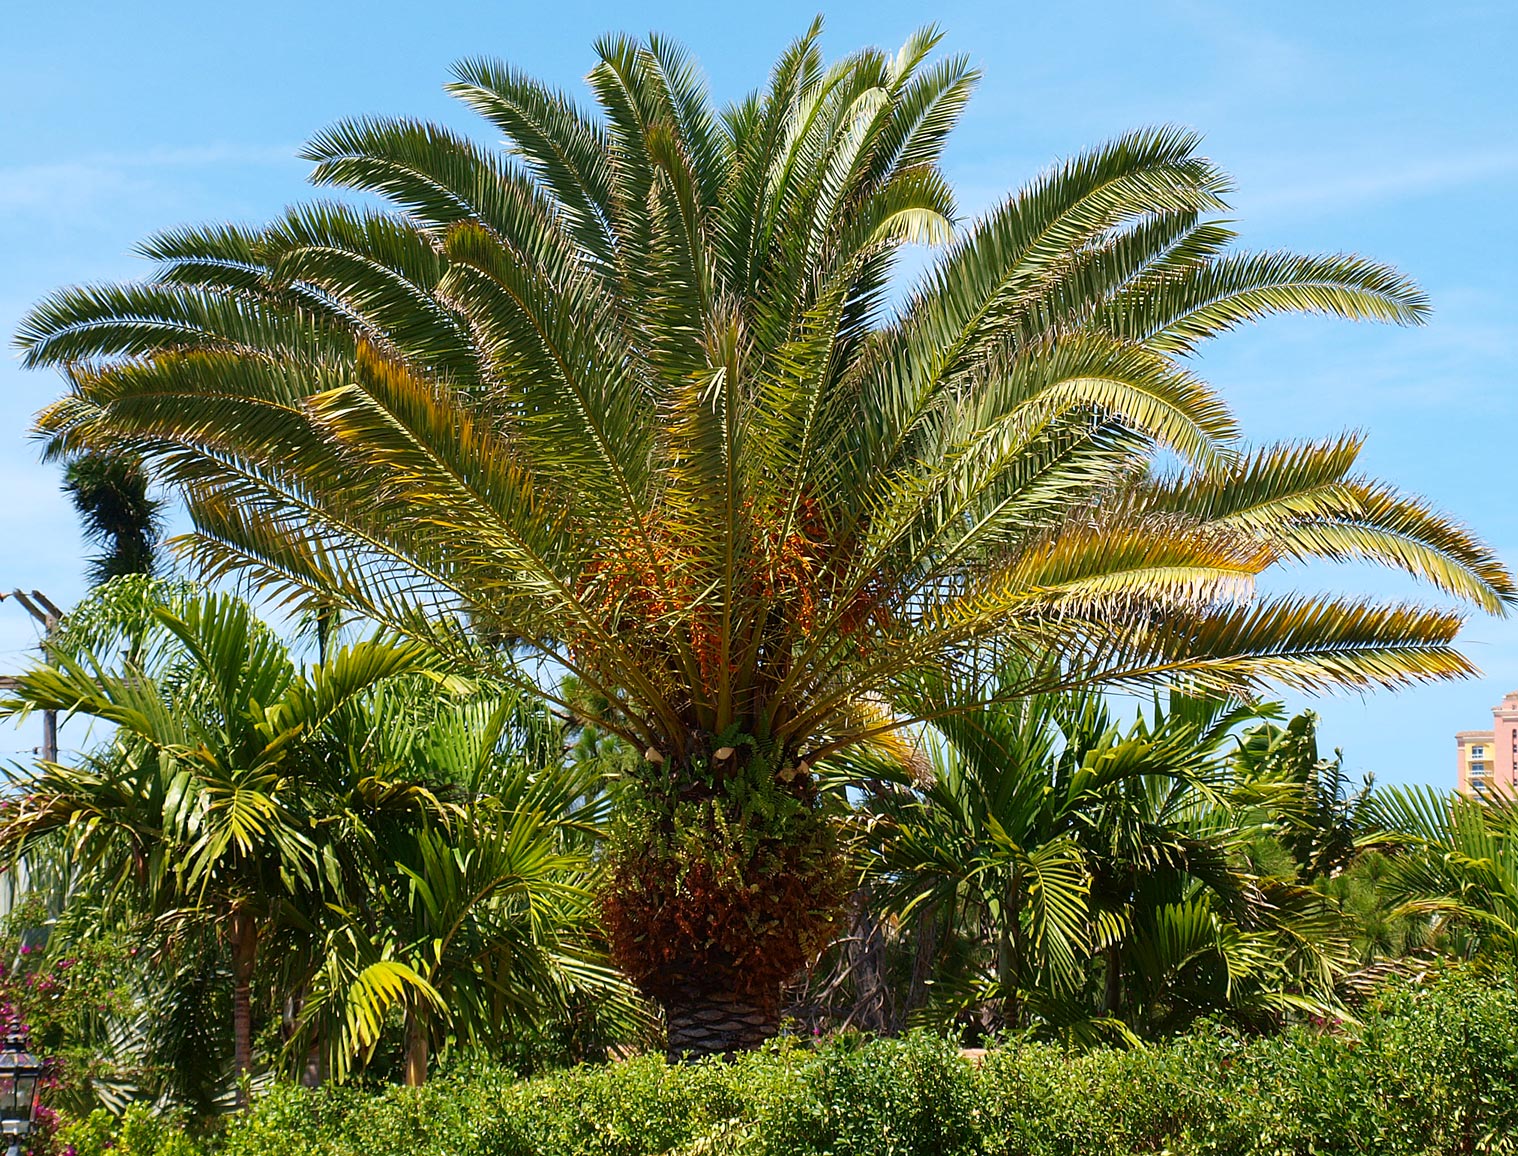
x=1478 y=768
x=1478 y=752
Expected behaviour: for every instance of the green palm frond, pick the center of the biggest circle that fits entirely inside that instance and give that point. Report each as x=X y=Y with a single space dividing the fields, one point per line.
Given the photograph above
x=1185 y=309
x=727 y=419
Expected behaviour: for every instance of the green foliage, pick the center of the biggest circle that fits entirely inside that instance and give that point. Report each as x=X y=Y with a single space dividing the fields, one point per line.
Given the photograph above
x=68 y=998
x=748 y=868
x=1306 y=800
x=857 y=1098
x=1458 y=864
x=1095 y=878
x=1433 y=1068
x=349 y=850
x=142 y=1130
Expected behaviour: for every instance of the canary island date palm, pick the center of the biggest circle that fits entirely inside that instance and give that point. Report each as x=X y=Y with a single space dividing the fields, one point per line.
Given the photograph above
x=635 y=394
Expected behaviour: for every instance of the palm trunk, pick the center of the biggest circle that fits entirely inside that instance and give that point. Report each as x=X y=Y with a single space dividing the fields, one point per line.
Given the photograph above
x=924 y=956
x=243 y=933
x=1009 y=955
x=713 y=1023
x=1114 y=993
x=314 y=1074
x=864 y=950
x=416 y=1049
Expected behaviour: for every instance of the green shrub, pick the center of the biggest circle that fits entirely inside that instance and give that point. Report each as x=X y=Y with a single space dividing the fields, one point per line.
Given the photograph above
x=628 y=1109
x=1432 y=1069
x=139 y=1131
x=851 y=1098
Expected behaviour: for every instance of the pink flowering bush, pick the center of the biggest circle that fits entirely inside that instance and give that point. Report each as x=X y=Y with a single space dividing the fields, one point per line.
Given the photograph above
x=66 y=1002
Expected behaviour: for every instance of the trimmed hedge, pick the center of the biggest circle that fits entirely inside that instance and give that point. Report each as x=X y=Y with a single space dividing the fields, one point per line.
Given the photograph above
x=1431 y=1069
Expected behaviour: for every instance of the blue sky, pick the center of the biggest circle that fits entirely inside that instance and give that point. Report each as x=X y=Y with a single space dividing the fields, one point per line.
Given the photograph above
x=1384 y=128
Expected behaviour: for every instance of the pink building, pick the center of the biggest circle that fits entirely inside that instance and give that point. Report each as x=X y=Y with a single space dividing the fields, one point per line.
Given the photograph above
x=1487 y=761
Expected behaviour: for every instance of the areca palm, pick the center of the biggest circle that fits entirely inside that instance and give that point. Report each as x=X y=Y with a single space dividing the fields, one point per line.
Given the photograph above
x=476 y=923
x=1458 y=864
x=1186 y=925
x=209 y=811
x=1320 y=819
x=1076 y=849
x=629 y=396
x=991 y=838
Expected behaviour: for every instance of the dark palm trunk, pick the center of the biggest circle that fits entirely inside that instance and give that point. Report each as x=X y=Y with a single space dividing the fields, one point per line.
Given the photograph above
x=865 y=952
x=243 y=933
x=702 y=1022
x=314 y=1074
x=924 y=956
x=416 y=1049
x=1114 y=992
x=713 y=924
x=1010 y=955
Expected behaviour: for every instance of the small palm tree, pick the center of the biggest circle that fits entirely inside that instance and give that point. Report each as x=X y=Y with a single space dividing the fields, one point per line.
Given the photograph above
x=474 y=924
x=1099 y=865
x=1458 y=863
x=629 y=400
x=1321 y=820
x=208 y=810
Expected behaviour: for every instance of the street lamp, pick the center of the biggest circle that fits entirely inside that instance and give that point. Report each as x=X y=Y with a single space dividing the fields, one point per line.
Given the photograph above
x=20 y=1074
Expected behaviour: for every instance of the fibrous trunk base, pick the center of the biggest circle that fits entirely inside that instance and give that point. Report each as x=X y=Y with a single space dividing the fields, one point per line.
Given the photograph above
x=703 y=1023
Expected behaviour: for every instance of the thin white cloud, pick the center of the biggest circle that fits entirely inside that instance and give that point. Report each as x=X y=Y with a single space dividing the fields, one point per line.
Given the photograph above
x=1253 y=55
x=1408 y=179
x=101 y=178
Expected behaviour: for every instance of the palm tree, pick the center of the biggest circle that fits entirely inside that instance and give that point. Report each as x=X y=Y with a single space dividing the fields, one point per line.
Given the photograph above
x=1320 y=819
x=1458 y=863
x=1187 y=925
x=110 y=492
x=208 y=809
x=629 y=401
x=1093 y=871
x=989 y=841
x=473 y=925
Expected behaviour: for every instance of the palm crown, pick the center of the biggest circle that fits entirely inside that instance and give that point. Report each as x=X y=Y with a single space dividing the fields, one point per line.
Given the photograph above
x=632 y=396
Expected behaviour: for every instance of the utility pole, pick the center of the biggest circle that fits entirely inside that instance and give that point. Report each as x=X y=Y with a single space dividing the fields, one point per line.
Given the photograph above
x=41 y=607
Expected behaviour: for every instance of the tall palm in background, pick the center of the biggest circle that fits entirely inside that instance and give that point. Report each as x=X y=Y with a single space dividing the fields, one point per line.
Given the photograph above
x=110 y=492
x=628 y=400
